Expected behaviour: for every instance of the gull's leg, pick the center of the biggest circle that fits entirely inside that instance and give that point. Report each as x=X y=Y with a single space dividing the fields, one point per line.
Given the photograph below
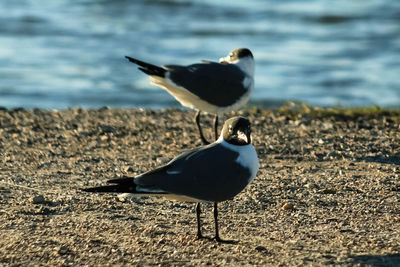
x=216 y=222
x=217 y=238
x=197 y=119
x=216 y=126
x=198 y=211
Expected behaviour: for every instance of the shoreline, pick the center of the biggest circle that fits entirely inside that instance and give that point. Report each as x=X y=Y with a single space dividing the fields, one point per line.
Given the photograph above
x=327 y=192
x=274 y=105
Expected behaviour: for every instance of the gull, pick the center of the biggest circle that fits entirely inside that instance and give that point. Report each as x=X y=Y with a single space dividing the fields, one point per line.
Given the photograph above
x=212 y=87
x=212 y=173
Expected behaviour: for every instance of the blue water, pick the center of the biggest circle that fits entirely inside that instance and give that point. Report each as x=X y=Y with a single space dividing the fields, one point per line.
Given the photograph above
x=57 y=54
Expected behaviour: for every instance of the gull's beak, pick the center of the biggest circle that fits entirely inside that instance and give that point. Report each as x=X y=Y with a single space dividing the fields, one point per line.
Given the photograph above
x=244 y=137
x=224 y=60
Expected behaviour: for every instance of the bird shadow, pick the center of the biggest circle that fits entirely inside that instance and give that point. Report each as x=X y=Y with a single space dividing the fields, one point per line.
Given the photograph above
x=377 y=260
x=220 y=241
x=229 y=242
x=395 y=159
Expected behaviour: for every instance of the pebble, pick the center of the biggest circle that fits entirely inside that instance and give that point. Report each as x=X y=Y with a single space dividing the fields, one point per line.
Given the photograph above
x=260 y=248
x=63 y=250
x=368 y=163
x=39 y=199
x=130 y=169
x=88 y=169
x=288 y=206
x=328 y=191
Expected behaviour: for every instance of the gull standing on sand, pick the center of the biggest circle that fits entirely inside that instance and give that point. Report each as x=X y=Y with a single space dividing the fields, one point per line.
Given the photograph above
x=211 y=173
x=213 y=87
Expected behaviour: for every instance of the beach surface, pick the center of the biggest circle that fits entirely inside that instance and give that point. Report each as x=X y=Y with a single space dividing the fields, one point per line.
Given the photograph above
x=327 y=191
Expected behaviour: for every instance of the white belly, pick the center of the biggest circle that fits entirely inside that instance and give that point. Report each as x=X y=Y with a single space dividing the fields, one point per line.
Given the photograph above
x=192 y=101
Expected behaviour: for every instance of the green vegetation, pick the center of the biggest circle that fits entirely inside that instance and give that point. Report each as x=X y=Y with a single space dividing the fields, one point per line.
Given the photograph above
x=293 y=109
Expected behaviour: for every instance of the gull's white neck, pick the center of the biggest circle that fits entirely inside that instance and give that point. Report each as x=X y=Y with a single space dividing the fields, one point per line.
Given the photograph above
x=247 y=156
x=246 y=64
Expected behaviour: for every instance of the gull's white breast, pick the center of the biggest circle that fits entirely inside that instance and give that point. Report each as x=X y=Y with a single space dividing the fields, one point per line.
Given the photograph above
x=247 y=157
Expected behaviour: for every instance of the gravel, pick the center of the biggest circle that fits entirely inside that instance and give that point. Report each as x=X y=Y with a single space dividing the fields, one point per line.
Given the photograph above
x=327 y=192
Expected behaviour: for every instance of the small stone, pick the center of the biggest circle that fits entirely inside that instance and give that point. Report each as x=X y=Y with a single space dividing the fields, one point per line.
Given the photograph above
x=130 y=169
x=327 y=126
x=63 y=250
x=88 y=169
x=125 y=197
x=38 y=199
x=108 y=129
x=328 y=191
x=260 y=248
x=288 y=206
x=162 y=160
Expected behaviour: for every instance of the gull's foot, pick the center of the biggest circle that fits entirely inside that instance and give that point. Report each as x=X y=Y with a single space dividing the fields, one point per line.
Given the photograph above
x=219 y=240
x=216 y=238
x=200 y=236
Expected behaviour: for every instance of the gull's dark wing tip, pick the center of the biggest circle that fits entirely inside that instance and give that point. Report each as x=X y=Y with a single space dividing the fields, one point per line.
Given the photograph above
x=148 y=68
x=120 y=185
x=131 y=59
x=101 y=189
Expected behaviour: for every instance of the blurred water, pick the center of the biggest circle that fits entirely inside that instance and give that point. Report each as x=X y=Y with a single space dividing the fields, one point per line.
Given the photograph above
x=61 y=53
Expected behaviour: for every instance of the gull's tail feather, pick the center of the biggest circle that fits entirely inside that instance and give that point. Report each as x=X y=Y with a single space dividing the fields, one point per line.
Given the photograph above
x=123 y=185
x=148 y=68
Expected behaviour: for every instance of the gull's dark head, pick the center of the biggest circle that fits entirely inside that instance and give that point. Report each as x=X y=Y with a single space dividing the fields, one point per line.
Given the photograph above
x=242 y=58
x=237 y=131
x=236 y=55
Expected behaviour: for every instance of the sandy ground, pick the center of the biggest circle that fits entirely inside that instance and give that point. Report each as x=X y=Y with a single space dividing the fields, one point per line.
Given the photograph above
x=327 y=192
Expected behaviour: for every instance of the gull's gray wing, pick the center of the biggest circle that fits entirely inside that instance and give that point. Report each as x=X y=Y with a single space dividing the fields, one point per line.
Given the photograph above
x=210 y=173
x=218 y=84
